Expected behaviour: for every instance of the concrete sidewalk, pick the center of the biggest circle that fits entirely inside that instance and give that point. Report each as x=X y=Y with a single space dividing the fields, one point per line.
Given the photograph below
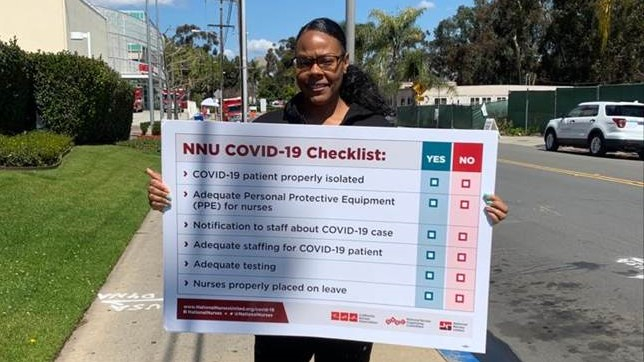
x=125 y=322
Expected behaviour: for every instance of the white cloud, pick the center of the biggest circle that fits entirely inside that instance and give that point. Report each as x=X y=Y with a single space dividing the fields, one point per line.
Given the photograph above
x=259 y=45
x=116 y=3
x=426 y=5
x=229 y=54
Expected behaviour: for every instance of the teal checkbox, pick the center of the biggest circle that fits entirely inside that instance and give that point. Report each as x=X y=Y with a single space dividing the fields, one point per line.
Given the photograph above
x=430 y=255
x=433 y=203
x=434 y=182
x=429 y=275
x=429 y=296
x=431 y=234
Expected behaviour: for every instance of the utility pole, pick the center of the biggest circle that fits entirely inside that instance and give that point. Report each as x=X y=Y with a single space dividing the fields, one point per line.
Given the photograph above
x=159 y=61
x=351 y=29
x=148 y=59
x=243 y=59
x=221 y=26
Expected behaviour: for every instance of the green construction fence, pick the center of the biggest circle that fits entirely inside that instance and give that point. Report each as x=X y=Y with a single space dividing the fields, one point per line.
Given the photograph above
x=533 y=109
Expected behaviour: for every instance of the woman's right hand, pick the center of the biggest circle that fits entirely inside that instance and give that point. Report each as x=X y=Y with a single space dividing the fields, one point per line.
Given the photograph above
x=158 y=192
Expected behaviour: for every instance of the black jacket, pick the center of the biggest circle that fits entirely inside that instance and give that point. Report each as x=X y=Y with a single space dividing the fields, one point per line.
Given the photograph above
x=356 y=116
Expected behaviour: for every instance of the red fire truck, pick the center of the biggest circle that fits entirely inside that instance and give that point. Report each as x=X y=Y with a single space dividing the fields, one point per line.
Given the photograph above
x=232 y=109
x=177 y=98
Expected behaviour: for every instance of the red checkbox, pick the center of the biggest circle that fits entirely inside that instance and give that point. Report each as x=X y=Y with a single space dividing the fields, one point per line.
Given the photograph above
x=465 y=183
x=462 y=236
x=465 y=204
x=461 y=257
x=460 y=277
x=460 y=298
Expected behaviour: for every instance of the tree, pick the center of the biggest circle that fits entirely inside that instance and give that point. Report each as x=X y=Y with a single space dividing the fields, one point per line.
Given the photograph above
x=189 y=65
x=465 y=47
x=568 y=48
x=394 y=36
x=622 y=58
x=603 y=12
x=519 y=26
x=185 y=36
x=277 y=82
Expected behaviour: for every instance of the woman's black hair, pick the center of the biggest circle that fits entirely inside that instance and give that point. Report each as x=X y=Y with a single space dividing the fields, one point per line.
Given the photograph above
x=357 y=86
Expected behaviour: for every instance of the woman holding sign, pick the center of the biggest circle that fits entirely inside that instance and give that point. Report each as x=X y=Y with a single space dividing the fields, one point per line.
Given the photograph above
x=332 y=93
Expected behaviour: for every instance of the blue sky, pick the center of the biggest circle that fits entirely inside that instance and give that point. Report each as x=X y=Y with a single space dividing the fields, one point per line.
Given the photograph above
x=268 y=21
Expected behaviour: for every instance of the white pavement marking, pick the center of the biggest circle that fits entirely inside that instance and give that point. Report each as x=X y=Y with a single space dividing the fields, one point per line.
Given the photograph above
x=636 y=263
x=120 y=302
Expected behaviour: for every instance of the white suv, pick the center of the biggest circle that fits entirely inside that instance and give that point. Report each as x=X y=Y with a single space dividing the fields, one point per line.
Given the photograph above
x=600 y=127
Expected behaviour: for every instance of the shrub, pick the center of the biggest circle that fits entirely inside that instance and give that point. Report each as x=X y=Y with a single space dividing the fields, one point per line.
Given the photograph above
x=82 y=98
x=156 y=129
x=145 y=126
x=16 y=91
x=507 y=128
x=33 y=149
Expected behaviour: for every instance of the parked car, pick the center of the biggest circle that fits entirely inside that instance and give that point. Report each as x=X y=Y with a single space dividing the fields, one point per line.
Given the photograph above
x=599 y=126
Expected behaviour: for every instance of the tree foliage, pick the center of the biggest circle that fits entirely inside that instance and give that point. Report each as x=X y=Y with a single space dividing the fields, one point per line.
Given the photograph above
x=541 y=41
x=559 y=42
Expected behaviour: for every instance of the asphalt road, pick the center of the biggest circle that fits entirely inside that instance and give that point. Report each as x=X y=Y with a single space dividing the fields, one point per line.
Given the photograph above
x=567 y=264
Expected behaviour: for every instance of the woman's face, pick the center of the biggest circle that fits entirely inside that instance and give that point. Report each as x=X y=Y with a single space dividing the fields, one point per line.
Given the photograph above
x=320 y=63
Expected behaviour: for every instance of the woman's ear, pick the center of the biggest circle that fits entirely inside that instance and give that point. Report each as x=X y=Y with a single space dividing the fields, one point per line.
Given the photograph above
x=345 y=63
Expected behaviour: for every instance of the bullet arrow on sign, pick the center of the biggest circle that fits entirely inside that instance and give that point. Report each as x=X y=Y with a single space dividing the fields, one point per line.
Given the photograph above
x=185 y=282
x=185 y=173
x=185 y=244
x=185 y=193
x=185 y=224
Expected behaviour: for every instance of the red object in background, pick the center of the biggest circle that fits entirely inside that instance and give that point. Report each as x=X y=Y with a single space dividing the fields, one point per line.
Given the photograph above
x=137 y=105
x=232 y=109
x=178 y=94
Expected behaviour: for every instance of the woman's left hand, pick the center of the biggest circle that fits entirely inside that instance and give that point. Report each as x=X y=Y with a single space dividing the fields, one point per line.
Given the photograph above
x=496 y=209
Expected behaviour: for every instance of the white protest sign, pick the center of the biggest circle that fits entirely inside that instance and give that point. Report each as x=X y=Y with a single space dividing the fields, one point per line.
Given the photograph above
x=361 y=233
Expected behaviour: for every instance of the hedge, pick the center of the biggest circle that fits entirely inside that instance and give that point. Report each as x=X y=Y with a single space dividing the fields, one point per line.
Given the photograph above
x=33 y=149
x=16 y=90
x=82 y=98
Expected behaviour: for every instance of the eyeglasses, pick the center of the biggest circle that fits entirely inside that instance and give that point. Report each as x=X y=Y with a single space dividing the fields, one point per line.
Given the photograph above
x=325 y=62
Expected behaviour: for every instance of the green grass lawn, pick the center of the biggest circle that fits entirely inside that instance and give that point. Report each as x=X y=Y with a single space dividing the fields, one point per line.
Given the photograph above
x=61 y=232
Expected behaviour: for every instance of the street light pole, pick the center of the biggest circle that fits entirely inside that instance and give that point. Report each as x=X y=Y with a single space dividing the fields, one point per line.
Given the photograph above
x=221 y=57
x=148 y=60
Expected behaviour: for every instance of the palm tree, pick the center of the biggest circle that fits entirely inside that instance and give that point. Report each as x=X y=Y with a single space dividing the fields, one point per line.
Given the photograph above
x=392 y=50
x=603 y=11
x=394 y=36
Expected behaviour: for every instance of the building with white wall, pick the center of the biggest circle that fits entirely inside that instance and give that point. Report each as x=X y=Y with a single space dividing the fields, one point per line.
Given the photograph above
x=117 y=37
x=52 y=26
x=463 y=94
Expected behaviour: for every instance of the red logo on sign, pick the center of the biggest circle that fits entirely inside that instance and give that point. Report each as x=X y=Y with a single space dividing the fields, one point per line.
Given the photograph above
x=445 y=325
x=344 y=316
x=397 y=322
